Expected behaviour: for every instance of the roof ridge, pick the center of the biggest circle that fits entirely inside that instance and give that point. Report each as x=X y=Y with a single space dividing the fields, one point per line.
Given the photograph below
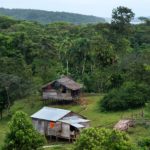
x=55 y=108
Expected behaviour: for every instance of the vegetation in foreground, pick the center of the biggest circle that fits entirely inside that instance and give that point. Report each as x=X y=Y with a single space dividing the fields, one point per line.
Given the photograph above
x=22 y=135
x=103 y=139
x=90 y=110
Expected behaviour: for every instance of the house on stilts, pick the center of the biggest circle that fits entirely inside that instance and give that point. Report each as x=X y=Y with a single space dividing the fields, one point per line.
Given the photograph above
x=64 y=88
x=59 y=123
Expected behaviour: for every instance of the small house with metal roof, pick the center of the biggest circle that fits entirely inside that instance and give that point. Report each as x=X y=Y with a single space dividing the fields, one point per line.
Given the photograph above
x=59 y=123
x=64 y=88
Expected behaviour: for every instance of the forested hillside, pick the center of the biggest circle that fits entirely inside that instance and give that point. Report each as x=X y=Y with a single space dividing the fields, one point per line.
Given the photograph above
x=105 y=58
x=46 y=17
x=100 y=56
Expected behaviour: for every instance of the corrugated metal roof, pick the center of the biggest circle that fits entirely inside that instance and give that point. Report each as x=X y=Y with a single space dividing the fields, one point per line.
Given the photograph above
x=73 y=120
x=77 y=125
x=50 y=114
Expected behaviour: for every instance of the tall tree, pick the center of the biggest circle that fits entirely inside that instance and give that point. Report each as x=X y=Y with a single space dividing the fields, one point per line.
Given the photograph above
x=121 y=18
x=3 y=101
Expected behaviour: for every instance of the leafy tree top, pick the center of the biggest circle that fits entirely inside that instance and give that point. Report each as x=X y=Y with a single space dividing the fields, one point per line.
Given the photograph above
x=121 y=18
x=22 y=135
x=103 y=139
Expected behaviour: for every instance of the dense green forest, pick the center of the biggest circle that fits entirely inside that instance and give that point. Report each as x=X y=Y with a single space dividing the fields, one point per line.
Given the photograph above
x=100 y=56
x=106 y=58
x=46 y=17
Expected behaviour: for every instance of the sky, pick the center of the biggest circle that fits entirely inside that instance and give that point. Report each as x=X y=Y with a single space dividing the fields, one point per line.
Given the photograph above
x=101 y=8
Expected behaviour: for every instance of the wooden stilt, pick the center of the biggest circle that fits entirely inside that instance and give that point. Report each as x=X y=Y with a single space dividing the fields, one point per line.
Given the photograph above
x=50 y=138
x=56 y=138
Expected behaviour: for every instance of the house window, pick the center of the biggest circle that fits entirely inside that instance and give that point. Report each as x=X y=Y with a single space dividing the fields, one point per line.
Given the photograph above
x=64 y=90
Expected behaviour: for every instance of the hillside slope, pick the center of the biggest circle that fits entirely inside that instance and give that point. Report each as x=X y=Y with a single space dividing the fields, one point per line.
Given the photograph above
x=90 y=110
x=45 y=17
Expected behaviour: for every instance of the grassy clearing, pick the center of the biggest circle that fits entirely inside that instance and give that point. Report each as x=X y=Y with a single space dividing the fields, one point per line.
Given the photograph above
x=58 y=146
x=91 y=110
x=3 y=129
x=28 y=105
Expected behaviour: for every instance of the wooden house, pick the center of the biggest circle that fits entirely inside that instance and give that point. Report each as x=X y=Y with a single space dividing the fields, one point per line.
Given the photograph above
x=62 y=89
x=59 y=123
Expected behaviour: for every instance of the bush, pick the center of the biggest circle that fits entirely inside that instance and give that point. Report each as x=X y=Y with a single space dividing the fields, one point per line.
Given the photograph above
x=129 y=95
x=103 y=139
x=145 y=143
x=22 y=135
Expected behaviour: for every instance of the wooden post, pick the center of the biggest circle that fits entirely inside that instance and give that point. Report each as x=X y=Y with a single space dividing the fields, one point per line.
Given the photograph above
x=142 y=113
x=50 y=138
x=55 y=136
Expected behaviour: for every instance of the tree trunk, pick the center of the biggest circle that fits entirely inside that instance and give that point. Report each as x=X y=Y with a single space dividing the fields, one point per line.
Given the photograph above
x=83 y=67
x=1 y=114
x=67 y=66
x=8 y=100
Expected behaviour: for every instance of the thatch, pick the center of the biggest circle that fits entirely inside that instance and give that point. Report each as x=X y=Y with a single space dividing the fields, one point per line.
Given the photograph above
x=66 y=82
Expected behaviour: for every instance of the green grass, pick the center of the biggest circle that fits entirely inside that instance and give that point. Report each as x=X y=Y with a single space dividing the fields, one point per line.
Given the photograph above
x=3 y=129
x=138 y=132
x=91 y=111
x=60 y=146
x=28 y=105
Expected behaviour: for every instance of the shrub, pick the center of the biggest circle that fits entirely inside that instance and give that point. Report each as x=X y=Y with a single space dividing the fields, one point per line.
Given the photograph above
x=144 y=143
x=22 y=135
x=103 y=139
x=129 y=95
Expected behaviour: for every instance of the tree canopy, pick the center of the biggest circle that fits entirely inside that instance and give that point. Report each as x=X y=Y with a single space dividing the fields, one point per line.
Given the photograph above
x=103 y=139
x=22 y=135
x=96 y=55
x=121 y=18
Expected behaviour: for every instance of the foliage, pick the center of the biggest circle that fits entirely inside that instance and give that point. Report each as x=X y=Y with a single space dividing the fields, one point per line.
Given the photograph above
x=103 y=139
x=22 y=135
x=33 y=103
x=96 y=55
x=46 y=17
x=129 y=95
x=144 y=143
x=11 y=88
x=121 y=18
x=3 y=102
x=101 y=56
